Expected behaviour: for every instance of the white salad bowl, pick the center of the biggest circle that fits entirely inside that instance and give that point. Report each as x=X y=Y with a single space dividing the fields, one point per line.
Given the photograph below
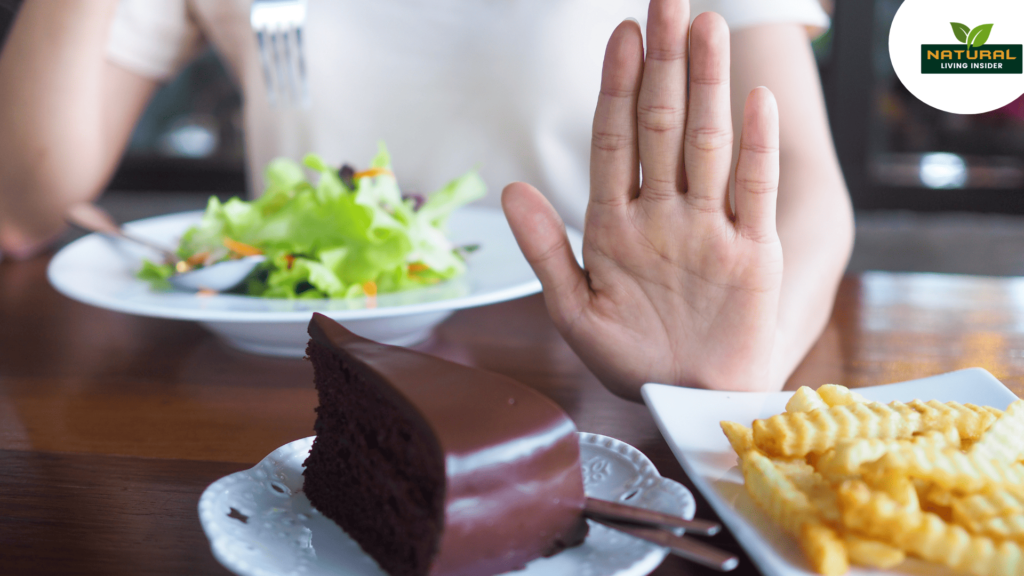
x=101 y=271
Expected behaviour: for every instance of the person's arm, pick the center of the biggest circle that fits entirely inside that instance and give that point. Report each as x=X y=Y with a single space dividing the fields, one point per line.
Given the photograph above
x=815 y=218
x=66 y=114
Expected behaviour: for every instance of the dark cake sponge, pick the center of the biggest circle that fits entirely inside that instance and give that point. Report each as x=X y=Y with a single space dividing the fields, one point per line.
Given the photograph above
x=434 y=467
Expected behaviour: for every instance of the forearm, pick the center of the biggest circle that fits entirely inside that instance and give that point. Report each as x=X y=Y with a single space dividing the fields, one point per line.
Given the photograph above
x=817 y=237
x=814 y=216
x=815 y=223
x=56 y=116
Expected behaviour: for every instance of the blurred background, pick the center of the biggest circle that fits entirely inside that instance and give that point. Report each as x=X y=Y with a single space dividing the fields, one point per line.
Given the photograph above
x=933 y=192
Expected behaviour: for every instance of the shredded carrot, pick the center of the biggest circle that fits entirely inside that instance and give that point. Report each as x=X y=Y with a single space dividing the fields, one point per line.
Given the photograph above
x=417 y=267
x=371 y=293
x=290 y=259
x=197 y=258
x=371 y=172
x=240 y=248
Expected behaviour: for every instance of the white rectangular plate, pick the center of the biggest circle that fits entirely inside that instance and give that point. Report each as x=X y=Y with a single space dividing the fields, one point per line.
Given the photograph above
x=688 y=418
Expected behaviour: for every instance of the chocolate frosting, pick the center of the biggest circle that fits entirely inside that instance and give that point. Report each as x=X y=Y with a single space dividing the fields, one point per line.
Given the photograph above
x=511 y=456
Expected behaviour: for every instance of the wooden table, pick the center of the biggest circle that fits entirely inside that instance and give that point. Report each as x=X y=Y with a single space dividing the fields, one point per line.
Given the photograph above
x=112 y=425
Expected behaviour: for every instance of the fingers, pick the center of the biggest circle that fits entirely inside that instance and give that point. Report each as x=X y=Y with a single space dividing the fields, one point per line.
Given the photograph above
x=541 y=236
x=614 y=158
x=708 y=139
x=757 y=170
x=661 y=107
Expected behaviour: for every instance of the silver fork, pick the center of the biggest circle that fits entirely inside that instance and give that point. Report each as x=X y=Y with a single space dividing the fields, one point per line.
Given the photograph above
x=278 y=27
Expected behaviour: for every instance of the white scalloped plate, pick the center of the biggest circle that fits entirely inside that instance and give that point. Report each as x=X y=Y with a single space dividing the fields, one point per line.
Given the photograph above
x=688 y=418
x=101 y=272
x=283 y=535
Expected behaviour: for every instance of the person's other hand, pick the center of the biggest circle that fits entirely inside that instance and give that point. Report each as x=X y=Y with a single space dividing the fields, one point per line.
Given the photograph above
x=678 y=287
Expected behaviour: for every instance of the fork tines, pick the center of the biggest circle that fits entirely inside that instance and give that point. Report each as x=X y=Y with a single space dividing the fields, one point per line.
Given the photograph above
x=278 y=27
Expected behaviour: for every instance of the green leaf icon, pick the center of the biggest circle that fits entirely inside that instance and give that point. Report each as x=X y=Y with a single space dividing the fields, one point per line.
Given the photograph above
x=979 y=35
x=960 y=31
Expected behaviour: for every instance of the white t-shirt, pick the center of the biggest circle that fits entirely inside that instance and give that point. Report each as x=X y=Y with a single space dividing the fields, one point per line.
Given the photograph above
x=508 y=86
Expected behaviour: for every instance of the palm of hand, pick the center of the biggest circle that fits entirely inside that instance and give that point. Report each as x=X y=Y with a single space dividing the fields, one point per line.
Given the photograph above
x=678 y=297
x=679 y=287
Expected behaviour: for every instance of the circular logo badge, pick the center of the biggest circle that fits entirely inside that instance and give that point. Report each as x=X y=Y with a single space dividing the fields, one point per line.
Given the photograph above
x=961 y=57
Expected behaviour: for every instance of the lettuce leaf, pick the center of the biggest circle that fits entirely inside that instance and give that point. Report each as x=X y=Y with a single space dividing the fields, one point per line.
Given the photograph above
x=156 y=274
x=325 y=240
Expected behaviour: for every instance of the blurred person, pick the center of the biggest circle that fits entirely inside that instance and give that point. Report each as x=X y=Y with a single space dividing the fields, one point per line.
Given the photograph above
x=682 y=285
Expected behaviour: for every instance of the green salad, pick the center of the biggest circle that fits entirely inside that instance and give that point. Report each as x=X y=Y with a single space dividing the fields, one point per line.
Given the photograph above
x=350 y=234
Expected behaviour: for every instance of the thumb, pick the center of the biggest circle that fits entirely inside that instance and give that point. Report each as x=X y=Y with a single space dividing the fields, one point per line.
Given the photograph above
x=541 y=236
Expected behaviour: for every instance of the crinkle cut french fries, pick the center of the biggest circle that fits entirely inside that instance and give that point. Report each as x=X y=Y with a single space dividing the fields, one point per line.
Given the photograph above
x=867 y=483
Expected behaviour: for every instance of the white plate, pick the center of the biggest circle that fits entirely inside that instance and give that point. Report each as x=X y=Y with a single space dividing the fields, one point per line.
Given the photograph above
x=99 y=271
x=689 y=419
x=283 y=535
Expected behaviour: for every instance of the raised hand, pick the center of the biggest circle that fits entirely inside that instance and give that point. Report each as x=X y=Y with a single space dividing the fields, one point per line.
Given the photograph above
x=677 y=286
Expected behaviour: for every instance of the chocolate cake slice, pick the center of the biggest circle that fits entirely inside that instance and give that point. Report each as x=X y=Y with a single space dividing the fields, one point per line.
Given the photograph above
x=434 y=467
